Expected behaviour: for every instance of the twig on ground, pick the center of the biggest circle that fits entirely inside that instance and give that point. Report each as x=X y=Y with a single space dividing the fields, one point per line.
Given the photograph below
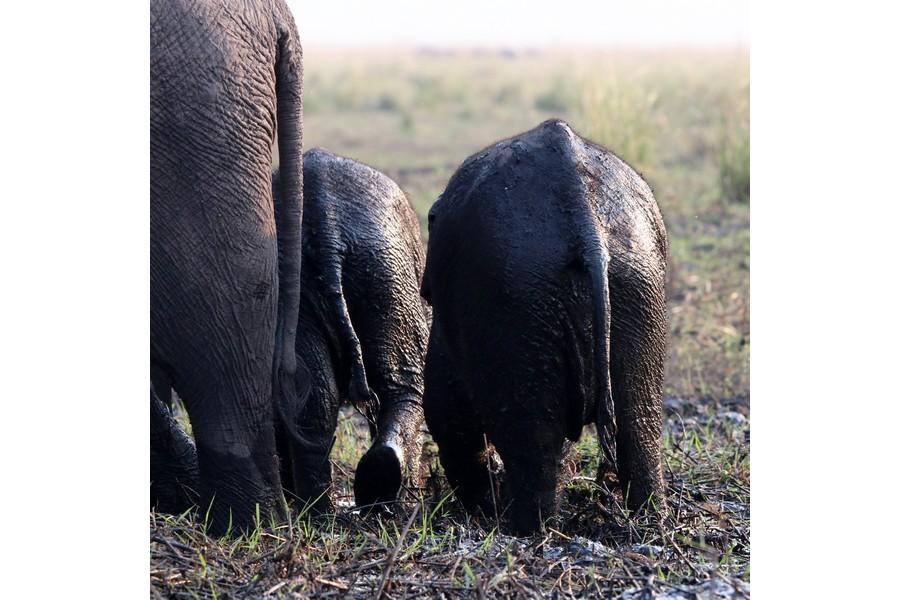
x=390 y=561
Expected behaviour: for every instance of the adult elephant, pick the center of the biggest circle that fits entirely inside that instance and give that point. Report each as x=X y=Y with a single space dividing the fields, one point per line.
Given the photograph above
x=546 y=272
x=225 y=259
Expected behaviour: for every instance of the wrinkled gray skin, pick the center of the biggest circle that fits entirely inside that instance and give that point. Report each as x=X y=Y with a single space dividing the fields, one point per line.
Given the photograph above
x=363 y=328
x=225 y=259
x=546 y=272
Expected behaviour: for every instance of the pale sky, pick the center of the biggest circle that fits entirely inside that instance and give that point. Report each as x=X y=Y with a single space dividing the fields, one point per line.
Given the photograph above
x=522 y=23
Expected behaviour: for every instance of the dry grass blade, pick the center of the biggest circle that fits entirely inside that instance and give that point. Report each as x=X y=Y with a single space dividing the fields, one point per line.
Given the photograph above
x=385 y=579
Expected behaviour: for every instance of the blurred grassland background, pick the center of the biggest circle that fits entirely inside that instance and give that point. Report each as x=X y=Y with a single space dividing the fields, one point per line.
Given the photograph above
x=681 y=118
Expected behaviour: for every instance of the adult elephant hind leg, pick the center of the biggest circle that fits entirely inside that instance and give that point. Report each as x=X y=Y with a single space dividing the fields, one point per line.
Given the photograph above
x=460 y=439
x=638 y=348
x=225 y=381
x=174 y=473
x=239 y=476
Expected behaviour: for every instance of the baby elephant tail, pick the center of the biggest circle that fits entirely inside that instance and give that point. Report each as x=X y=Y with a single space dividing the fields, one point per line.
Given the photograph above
x=596 y=259
x=361 y=395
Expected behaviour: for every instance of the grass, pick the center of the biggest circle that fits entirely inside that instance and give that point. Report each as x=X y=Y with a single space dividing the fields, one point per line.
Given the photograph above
x=682 y=119
x=434 y=548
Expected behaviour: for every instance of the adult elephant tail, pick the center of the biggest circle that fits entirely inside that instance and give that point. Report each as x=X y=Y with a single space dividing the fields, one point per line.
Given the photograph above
x=596 y=261
x=290 y=380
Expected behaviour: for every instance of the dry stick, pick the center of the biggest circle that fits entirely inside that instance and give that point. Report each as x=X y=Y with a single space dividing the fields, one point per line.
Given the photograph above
x=558 y=581
x=357 y=571
x=546 y=539
x=366 y=566
x=455 y=565
x=159 y=538
x=390 y=562
x=671 y=540
x=722 y=515
x=479 y=587
x=334 y=584
x=275 y=588
x=268 y=554
x=518 y=585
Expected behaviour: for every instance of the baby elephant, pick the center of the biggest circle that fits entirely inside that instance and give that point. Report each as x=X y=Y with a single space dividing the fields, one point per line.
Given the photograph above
x=362 y=332
x=546 y=273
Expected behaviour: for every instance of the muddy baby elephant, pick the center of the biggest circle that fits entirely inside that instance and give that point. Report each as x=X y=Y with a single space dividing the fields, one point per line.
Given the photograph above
x=363 y=328
x=546 y=274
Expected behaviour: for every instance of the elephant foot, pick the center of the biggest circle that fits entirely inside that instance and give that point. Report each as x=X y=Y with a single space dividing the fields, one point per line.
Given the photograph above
x=379 y=475
x=526 y=515
x=174 y=496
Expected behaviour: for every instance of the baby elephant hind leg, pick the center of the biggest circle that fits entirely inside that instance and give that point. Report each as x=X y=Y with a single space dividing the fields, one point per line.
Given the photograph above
x=379 y=474
x=378 y=477
x=310 y=465
x=395 y=453
x=392 y=348
x=395 y=424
